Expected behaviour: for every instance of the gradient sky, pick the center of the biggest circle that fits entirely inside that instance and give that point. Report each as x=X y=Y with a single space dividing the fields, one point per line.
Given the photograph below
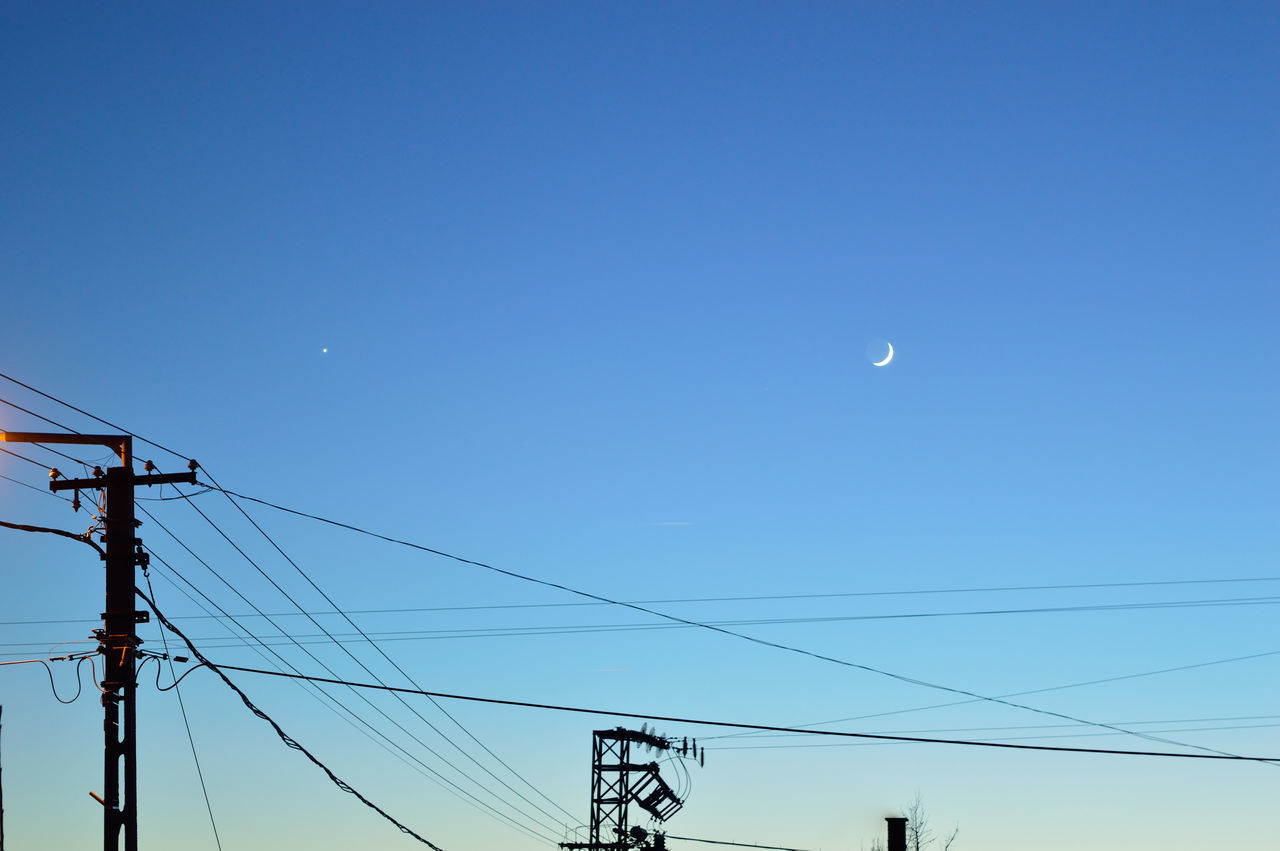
x=585 y=291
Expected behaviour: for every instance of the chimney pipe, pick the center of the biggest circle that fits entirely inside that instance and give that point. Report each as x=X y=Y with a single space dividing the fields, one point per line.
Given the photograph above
x=897 y=833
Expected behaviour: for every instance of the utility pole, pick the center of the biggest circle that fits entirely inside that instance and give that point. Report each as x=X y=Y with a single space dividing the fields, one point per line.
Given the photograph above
x=118 y=638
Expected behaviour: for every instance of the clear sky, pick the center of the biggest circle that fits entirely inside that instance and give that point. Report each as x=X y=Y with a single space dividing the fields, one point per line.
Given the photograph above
x=591 y=292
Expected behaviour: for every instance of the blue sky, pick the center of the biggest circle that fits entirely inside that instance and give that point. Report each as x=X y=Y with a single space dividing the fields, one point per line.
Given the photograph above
x=585 y=291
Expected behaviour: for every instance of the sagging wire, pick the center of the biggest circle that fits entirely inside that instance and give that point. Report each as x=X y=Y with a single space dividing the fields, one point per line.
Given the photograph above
x=550 y=826
x=79 y=660
x=182 y=706
x=160 y=670
x=447 y=783
x=85 y=538
x=284 y=737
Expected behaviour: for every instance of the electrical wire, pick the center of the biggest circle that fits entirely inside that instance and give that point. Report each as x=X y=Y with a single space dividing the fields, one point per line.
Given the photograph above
x=1039 y=737
x=742 y=636
x=52 y=685
x=34 y=414
x=764 y=727
x=310 y=689
x=84 y=539
x=738 y=844
x=172 y=452
x=575 y=629
x=23 y=458
x=1081 y=684
x=160 y=670
x=439 y=777
x=172 y=498
x=402 y=672
x=1092 y=607
x=185 y=722
x=34 y=488
x=597 y=598
x=739 y=635
x=90 y=416
x=1009 y=727
x=284 y=737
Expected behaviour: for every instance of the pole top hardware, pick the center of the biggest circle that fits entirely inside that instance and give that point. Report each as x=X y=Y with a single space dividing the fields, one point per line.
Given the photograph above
x=121 y=443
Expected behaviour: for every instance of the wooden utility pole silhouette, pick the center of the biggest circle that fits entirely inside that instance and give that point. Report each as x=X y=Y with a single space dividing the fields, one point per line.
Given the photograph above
x=118 y=638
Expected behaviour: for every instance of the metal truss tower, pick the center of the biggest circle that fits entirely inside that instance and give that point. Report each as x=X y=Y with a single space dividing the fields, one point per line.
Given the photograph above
x=617 y=782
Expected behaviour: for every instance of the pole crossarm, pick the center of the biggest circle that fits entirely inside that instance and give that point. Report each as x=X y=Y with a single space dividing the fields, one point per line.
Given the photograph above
x=148 y=479
x=121 y=443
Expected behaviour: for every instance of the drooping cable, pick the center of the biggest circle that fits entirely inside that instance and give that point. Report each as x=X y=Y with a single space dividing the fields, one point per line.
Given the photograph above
x=435 y=774
x=284 y=737
x=675 y=719
x=82 y=538
x=402 y=672
x=328 y=701
x=85 y=539
x=439 y=778
x=743 y=636
x=187 y=723
x=52 y=685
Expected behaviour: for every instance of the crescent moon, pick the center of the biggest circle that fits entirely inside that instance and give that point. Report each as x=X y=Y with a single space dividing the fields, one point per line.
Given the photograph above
x=887 y=357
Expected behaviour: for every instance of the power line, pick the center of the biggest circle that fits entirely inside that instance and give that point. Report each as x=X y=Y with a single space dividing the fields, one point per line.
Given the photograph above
x=522 y=631
x=24 y=458
x=411 y=680
x=614 y=627
x=53 y=686
x=1081 y=684
x=753 y=639
x=439 y=777
x=740 y=598
x=763 y=727
x=1008 y=727
x=34 y=488
x=187 y=723
x=90 y=416
x=40 y=417
x=738 y=844
x=84 y=539
x=284 y=737
x=742 y=636
x=393 y=663
x=321 y=695
x=1002 y=739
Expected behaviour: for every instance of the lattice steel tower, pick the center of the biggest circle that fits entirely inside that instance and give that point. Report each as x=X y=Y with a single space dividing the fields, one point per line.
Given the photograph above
x=617 y=782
